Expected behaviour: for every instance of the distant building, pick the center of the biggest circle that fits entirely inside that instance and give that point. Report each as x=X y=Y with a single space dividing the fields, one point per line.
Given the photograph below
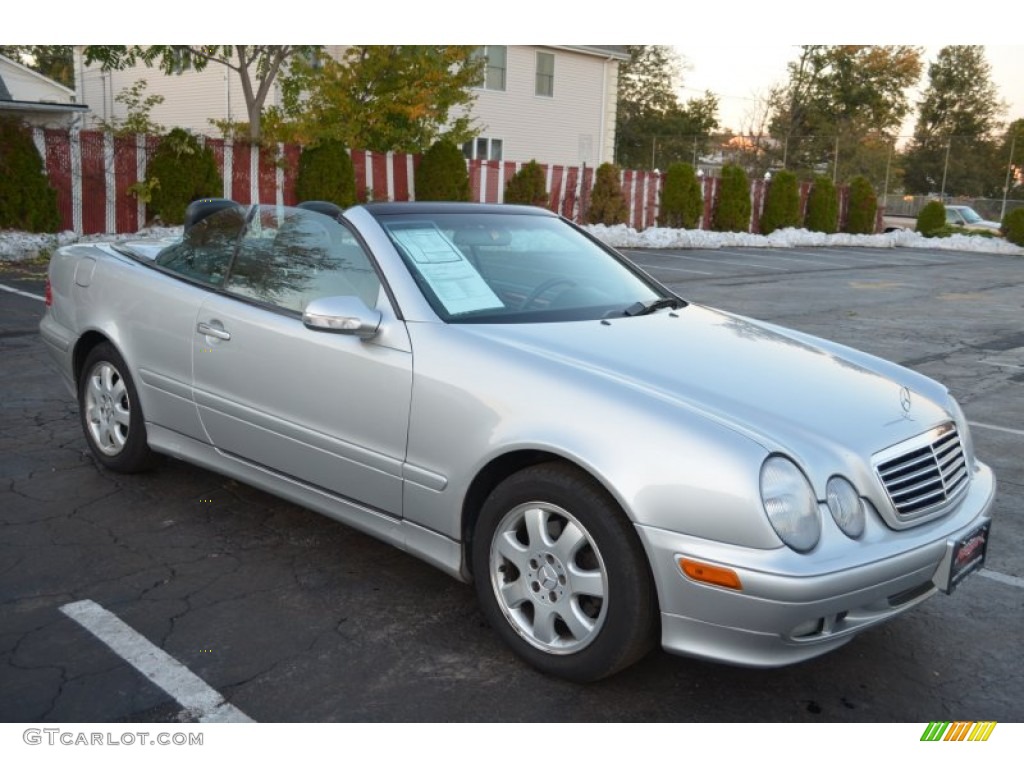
x=553 y=104
x=35 y=98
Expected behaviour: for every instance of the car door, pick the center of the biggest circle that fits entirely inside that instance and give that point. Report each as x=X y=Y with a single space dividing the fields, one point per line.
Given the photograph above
x=324 y=409
x=163 y=304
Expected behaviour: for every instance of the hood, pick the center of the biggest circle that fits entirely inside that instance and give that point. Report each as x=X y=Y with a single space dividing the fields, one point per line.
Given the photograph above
x=789 y=392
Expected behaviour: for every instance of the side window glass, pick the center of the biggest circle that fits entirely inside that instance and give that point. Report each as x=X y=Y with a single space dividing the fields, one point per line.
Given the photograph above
x=289 y=257
x=205 y=250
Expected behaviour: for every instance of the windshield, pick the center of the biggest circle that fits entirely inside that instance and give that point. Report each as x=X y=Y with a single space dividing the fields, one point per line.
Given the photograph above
x=477 y=267
x=970 y=215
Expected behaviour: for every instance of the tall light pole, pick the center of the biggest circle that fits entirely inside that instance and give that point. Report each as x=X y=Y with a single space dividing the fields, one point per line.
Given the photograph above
x=1009 y=172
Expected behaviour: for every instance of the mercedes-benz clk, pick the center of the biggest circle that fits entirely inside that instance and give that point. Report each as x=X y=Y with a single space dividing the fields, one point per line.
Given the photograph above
x=496 y=392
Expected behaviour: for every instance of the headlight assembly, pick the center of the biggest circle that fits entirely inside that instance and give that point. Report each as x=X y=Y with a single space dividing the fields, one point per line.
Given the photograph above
x=789 y=502
x=846 y=506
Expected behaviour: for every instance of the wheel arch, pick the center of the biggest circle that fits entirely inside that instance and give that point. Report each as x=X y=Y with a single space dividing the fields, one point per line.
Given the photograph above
x=85 y=344
x=497 y=470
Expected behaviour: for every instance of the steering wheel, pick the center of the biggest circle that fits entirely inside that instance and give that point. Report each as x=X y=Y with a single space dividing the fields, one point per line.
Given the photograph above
x=543 y=288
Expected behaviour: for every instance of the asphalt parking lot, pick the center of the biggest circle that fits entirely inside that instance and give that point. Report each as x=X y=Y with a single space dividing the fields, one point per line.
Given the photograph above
x=291 y=617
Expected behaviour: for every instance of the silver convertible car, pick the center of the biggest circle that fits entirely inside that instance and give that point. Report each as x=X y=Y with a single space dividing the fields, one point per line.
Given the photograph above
x=496 y=392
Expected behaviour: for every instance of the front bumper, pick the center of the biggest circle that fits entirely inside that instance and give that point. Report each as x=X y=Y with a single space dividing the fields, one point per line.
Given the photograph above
x=794 y=607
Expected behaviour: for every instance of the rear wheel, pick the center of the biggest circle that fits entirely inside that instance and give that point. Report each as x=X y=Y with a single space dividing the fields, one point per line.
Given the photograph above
x=111 y=416
x=561 y=574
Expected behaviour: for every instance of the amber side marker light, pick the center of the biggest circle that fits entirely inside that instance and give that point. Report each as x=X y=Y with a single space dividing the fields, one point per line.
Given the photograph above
x=710 y=574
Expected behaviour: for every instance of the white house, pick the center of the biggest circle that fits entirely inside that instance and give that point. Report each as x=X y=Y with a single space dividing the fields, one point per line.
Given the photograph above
x=36 y=99
x=553 y=104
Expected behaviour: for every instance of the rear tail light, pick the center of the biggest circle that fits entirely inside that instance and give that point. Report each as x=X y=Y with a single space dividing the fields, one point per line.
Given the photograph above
x=48 y=294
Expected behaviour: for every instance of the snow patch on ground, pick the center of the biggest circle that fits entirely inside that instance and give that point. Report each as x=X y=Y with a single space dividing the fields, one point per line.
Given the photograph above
x=21 y=246
x=622 y=236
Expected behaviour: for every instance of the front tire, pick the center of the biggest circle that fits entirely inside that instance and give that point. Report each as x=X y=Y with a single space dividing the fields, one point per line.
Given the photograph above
x=561 y=574
x=111 y=415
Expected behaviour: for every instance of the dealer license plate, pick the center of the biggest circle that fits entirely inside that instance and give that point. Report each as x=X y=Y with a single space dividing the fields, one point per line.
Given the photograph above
x=963 y=557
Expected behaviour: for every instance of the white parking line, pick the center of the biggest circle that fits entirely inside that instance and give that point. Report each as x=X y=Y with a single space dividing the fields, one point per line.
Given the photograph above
x=21 y=293
x=1002 y=578
x=166 y=672
x=672 y=269
x=996 y=428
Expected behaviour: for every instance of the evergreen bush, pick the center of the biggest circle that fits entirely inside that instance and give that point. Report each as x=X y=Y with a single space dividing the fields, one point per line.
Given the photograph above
x=326 y=173
x=181 y=170
x=442 y=173
x=732 y=207
x=822 y=206
x=860 y=219
x=931 y=218
x=528 y=186
x=781 y=203
x=607 y=203
x=681 y=201
x=1013 y=226
x=27 y=201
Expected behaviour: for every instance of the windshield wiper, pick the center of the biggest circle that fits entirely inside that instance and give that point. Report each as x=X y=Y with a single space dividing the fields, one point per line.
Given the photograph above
x=653 y=305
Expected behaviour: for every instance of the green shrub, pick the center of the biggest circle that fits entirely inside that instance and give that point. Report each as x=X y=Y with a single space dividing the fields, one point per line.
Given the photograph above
x=931 y=218
x=607 y=203
x=822 y=206
x=732 y=207
x=860 y=218
x=1013 y=226
x=442 y=173
x=326 y=173
x=27 y=201
x=781 y=203
x=181 y=170
x=681 y=201
x=528 y=186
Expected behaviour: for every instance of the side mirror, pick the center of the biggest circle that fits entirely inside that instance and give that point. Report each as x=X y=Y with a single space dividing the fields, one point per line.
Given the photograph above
x=342 y=314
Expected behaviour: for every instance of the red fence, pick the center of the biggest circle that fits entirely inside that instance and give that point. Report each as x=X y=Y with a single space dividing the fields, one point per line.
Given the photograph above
x=94 y=173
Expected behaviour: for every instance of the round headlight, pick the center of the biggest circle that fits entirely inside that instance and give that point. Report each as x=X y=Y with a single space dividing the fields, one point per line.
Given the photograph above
x=845 y=505
x=790 y=504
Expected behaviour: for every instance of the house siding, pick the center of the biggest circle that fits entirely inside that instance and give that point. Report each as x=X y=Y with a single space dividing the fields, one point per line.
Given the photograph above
x=191 y=99
x=573 y=126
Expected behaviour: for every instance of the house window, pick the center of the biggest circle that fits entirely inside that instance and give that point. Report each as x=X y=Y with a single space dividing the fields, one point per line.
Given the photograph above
x=494 y=57
x=545 y=74
x=482 y=149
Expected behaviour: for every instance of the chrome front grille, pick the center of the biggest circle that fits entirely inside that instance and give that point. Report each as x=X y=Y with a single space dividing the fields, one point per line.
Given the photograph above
x=925 y=473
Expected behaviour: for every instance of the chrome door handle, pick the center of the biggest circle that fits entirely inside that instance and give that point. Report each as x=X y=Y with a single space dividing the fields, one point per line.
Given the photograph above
x=217 y=333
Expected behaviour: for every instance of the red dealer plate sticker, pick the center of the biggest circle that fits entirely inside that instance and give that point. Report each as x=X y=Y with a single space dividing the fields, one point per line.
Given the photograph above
x=967 y=555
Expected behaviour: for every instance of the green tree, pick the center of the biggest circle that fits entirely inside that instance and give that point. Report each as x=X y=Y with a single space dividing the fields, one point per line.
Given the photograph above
x=442 y=173
x=27 y=201
x=1013 y=226
x=652 y=127
x=607 y=203
x=257 y=66
x=822 y=206
x=931 y=218
x=53 y=61
x=181 y=170
x=781 y=203
x=681 y=201
x=953 y=150
x=861 y=215
x=398 y=98
x=849 y=98
x=326 y=173
x=732 y=207
x=528 y=186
